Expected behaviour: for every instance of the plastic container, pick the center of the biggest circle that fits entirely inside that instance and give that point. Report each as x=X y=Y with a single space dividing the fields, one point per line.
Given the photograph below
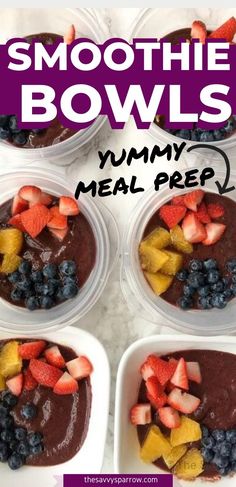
x=19 y=320
x=157 y=23
x=138 y=293
x=32 y=21
x=126 y=448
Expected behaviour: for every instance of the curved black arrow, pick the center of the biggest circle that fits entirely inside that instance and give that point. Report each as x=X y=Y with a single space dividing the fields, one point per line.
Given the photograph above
x=222 y=188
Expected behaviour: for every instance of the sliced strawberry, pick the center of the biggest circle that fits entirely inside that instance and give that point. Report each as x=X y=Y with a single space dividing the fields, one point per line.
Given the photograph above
x=215 y=210
x=178 y=201
x=45 y=199
x=35 y=219
x=30 y=350
x=182 y=401
x=214 y=232
x=16 y=222
x=44 y=374
x=66 y=385
x=59 y=234
x=140 y=414
x=199 y=31
x=69 y=36
x=169 y=417
x=202 y=213
x=57 y=220
x=193 y=199
x=169 y=387
x=146 y=371
x=155 y=392
x=15 y=384
x=194 y=372
x=172 y=214
x=68 y=206
x=54 y=357
x=226 y=31
x=162 y=369
x=30 y=193
x=18 y=205
x=180 y=377
x=29 y=382
x=79 y=367
x=194 y=230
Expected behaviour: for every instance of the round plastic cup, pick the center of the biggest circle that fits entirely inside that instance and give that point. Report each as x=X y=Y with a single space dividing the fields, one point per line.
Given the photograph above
x=157 y=23
x=15 y=319
x=17 y=23
x=138 y=293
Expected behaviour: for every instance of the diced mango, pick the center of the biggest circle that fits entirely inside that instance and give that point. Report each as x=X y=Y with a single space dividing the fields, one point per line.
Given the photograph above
x=159 y=238
x=174 y=456
x=158 y=282
x=11 y=241
x=190 y=466
x=178 y=241
x=189 y=430
x=10 y=263
x=155 y=445
x=151 y=259
x=173 y=265
x=2 y=383
x=10 y=360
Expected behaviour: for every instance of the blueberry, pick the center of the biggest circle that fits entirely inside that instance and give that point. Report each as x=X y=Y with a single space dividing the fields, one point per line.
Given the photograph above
x=210 y=264
x=15 y=461
x=32 y=303
x=196 y=279
x=71 y=280
x=14 y=277
x=213 y=276
x=184 y=134
x=10 y=400
x=4 y=119
x=12 y=124
x=24 y=284
x=229 y=127
x=231 y=266
x=13 y=445
x=8 y=423
x=188 y=291
x=184 y=303
x=225 y=470
x=36 y=131
x=20 y=138
x=204 y=291
x=35 y=450
x=34 y=439
x=218 y=301
x=182 y=275
x=4 y=133
x=227 y=293
x=220 y=462
x=218 y=287
x=4 y=452
x=37 y=276
x=20 y=433
x=46 y=302
x=23 y=448
x=218 y=435
x=3 y=411
x=28 y=411
x=207 y=136
x=38 y=287
x=208 y=442
x=50 y=270
x=207 y=454
x=59 y=295
x=195 y=265
x=233 y=466
x=47 y=289
x=205 y=431
x=69 y=291
x=219 y=134
x=233 y=453
x=225 y=449
x=231 y=436
x=24 y=267
x=195 y=135
x=226 y=281
x=7 y=435
x=54 y=284
x=233 y=289
x=68 y=267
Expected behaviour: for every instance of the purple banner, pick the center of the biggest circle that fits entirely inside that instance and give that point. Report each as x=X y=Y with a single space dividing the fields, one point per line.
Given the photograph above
x=163 y=480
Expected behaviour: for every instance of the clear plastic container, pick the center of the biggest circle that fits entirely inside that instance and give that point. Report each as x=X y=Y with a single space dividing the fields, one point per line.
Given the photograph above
x=138 y=293
x=19 y=320
x=19 y=23
x=157 y=23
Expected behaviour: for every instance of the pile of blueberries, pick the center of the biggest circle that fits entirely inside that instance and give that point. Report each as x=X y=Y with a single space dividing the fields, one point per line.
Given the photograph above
x=16 y=444
x=10 y=131
x=44 y=288
x=204 y=136
x=218 y=447
x=203 y=280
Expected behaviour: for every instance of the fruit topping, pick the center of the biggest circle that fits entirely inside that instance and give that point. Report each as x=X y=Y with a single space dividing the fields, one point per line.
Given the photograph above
x=172 y=214
x=155 y=445
x=155 y=392
x=31 y=194
x=146 y=371
x=194 y=372
x=182 y=401
x=15 y=384
x=35 y=219
x=68 y=206
x=190 y=465
x=169 y=417
x=178 y=201
x=15 y=221
x=69 y=36
x=194 y=231
x=193 y=199
x=226 y=31
x=11 y=241
x=10 y=263
x=29 y=350
x=140 y=414
x=66 y=385
x=173 y=264
x=158 y=238
x=151 y=258
x=44 y=374
x=57 y=220
x=180 y=377
x=45 y=199
x=214 y=232
x=54 y=357
x=199 y=31
x=158 y=282
x=28 y=411
x=174 y=456
x=162 y=369
x=2 y=383
x=215 y=210
x=29 y=382
x=179 y=242
x=80 y=367
x=187 y=432
x=10 y=360
x=18 y=205
x=203 y=214
x=59 y=234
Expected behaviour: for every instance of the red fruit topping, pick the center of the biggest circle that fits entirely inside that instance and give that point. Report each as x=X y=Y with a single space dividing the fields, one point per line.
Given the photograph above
x=44 y=374
x=194 y=372
x=178 y=201
x=140 y=414
x=66 y=385
x=172 y=214
x=215 y=210
x=194 y=230
x=35 y=219
x=193 y=199
x=16 y=222
x=202 y=213
x=146 y=371
x=15 y=384
x=18 y=205
x=162 y=370
x=45 y=199
x=29 y=382
x=226 y=31
x=30 y=193
x=69 y=36
x=68 y=206
x=180 y=377
x=57 y=220
x=79 y=367
x=214 y=232
x=31 y=349
x=169 y=417
x=199 y=31
x=59 y=234
x=169 y=387
x=54 y=357
x=182 y=401
x=155 y=392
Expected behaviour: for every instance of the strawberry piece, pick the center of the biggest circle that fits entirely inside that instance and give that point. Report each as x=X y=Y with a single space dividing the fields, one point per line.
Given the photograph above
x=146 y=371
x=172 y=214
x=59 y=234
x=180 y=377
x=29 y=382
x=182 y=401
x=54 y=357
x=169 y=417
x=169 y=387
x=214 y=232
x=79 y=367
x=194 y=372
x=140 y=414
x=30 y=193
x=162 y=370
x=226 y=31
x=45 y=199
x=178 y=201
x=155 y=392
x=18 y=205
x=16 y=222
x=215 y=210
x=194 y=230
x=44 y=374
x=35 y=219
x=202 y=214
x=193 y=199
x=199 y=31
x=30 y=350
x=57 y=220
x=15 y=384
x=68 y=206
x=69 y=36
x=66 y=385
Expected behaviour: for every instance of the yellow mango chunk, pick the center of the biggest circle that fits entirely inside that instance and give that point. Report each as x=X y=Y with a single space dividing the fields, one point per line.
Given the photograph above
x=10 y=263
x=2 y=383
x=189 y=430
x=190 y=466
x=155 y=445
x=158 y=282
x=178 y=241
x=174 y=456
x=10 y=360
x=173 y=265
x=159 y=238
x=151 y=259
x=11 y=241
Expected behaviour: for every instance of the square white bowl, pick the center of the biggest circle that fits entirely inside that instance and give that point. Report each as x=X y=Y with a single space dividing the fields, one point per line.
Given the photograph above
x=126 y=446
x=89 y=459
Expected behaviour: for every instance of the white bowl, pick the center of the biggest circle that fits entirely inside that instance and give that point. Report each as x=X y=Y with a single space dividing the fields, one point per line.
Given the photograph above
x=126 y=447
x=89 y=459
